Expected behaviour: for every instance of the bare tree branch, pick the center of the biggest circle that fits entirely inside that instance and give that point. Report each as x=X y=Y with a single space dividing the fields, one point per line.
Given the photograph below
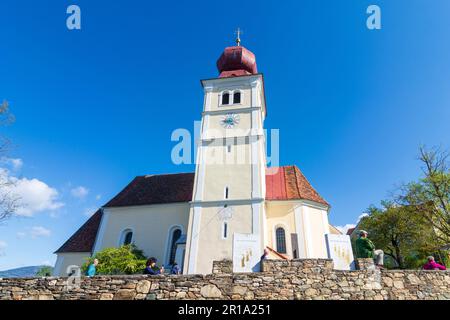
x=8 y=200
x=432 y=193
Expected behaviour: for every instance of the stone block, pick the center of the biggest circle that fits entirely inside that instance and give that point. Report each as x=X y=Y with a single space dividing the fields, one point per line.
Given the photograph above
x=398 y=284
x=239 y=290
x=364 y=264
x=210 y=291
x=124 y=294
x=143 y=286
x=106 y=296
x=310 y=292
x=151 y=296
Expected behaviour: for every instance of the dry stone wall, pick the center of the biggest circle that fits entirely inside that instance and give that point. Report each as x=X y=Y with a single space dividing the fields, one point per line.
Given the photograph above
x=279 y=279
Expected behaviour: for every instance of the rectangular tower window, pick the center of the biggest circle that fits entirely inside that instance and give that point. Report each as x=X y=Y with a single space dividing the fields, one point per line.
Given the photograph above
x=225 y=99
x=226 y=192
x=237 y=98
x=229 y=148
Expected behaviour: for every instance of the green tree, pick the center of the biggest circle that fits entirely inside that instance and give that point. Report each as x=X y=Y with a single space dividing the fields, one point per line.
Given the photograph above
x=432 y=192
x=45 y=271
x=400 y=231
x=127 y=259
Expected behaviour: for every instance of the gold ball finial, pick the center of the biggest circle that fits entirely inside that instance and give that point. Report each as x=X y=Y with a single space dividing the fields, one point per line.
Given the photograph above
x=238 y=33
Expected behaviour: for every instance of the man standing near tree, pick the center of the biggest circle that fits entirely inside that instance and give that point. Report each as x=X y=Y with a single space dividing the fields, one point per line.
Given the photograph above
x=366 y=249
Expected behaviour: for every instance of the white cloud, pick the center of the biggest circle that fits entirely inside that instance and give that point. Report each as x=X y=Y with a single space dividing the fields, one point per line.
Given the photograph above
x=79 y=192
x=54 y=214
x=34 y=196
x=3 y=246
x=362 y=216
x=345 y=228
x=98 y=197
x=31 y=195
x=14 y=163
x=37 y=232
x=20 y=235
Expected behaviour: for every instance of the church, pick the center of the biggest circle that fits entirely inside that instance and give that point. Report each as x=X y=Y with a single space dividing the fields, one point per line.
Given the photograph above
x=232 y=207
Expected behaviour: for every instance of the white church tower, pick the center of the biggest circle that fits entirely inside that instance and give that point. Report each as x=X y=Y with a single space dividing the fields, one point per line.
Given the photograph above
x=229 y=188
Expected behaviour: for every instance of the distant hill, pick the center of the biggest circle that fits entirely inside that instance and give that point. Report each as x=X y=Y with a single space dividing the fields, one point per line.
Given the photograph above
x=24 y=272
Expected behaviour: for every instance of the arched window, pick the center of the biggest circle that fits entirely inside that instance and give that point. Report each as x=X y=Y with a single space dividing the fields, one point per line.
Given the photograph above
x=281 y=240
x=237 y=97
x=225 y=98
x=176 y=234
x=127 y=237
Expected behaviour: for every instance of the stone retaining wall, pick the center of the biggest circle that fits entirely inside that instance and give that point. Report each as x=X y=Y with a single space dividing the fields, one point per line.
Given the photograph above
x=280 y=279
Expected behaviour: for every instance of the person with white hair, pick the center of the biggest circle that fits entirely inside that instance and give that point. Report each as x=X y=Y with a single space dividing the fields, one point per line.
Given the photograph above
x=265 y=255
x=366 y=249
x=433 y=265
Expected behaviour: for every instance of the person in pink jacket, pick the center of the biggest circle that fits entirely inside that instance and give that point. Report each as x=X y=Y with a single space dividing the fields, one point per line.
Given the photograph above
x=433 y=265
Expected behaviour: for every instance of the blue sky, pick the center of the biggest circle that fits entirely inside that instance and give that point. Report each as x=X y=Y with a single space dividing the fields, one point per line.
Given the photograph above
x=92 y=107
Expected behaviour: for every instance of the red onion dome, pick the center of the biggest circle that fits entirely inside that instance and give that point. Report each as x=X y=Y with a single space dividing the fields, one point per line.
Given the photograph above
x=236 y=61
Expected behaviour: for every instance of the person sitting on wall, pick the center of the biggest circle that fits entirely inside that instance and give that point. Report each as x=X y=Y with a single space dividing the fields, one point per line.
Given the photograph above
x=433 y=265
x=265 y=255
x=91 y=270
x=151 y=267
x=366 y=249
x=175 y=269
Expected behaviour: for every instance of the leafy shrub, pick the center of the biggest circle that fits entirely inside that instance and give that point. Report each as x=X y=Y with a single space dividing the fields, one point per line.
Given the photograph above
x=45 y=271
x=127 y=259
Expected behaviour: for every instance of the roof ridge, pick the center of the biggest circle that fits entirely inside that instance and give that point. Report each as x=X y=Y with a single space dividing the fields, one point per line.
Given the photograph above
x=297 y=183
x=94 y=219
x=298 y=171
x=162 y=174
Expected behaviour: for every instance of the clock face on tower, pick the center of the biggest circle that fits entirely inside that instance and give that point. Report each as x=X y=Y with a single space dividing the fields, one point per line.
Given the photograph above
x=229 y=120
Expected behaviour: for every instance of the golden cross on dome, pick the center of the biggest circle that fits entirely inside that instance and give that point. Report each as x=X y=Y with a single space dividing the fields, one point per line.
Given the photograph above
x=238 y=33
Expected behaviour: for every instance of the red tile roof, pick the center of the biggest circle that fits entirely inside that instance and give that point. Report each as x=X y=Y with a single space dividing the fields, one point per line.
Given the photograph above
x=155 y=189
x=84 y=239
x=289 y=183
x=282 y=183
